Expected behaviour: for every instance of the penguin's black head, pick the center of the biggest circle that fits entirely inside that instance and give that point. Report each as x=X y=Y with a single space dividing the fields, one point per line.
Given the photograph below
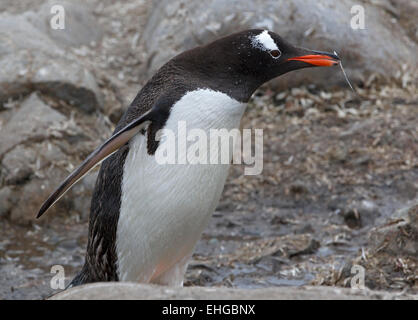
x=244 y=61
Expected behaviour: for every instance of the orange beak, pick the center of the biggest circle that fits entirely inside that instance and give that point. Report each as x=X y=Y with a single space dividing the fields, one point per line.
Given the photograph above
x=320 y=60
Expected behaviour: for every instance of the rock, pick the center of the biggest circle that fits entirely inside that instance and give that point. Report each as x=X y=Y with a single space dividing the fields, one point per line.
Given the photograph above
x=298 y=188
x=361 y=214
x=391 y=257
x=406 y=189
x=135 y=291
x=52 y=70
x=13 y=6
x=31 y=121
x=81 y=27
x=406 y=12
x=352 y=219
x=306 y=228
x=399 y=235
x=39 y=148
x=31 y=197
x=312 y=247
x=5 y=203
x=383 y=47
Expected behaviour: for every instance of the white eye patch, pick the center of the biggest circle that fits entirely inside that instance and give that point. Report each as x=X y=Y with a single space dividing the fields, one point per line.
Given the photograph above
x=264 y=41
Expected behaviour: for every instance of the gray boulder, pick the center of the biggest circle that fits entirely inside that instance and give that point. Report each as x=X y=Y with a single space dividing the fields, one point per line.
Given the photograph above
x=398 y=237
x=391 y=256
x=30 y=60
x=39 y=148
x=383 y=47
x=32 y=120
x=135 y=291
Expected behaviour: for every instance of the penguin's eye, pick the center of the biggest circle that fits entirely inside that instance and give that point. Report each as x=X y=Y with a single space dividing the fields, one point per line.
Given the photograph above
x=275 y=54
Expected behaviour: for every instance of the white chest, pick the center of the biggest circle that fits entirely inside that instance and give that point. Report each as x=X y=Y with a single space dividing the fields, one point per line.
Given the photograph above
x=165 y=207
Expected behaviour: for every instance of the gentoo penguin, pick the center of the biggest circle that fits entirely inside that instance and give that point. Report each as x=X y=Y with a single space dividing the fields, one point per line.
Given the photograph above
x=146 y=217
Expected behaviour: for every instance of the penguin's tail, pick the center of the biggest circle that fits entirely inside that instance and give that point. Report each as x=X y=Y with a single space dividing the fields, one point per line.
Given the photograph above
x=81 y=278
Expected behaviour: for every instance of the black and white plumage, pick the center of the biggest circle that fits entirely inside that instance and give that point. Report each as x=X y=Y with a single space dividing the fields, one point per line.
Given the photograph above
x=146 y=217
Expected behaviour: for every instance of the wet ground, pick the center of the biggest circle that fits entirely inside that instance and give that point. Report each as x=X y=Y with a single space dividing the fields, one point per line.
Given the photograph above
x=335 y=166
x=242 y=249
x=239 y=249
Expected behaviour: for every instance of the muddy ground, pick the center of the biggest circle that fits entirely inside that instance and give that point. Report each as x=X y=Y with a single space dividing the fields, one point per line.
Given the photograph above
x=336 y=165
